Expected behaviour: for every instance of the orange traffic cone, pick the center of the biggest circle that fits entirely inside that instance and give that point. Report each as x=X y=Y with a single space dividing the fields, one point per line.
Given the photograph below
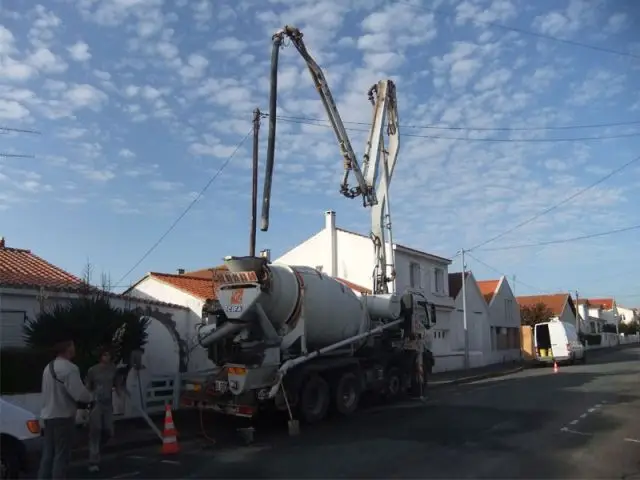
x=555 y=367
x=169 y=434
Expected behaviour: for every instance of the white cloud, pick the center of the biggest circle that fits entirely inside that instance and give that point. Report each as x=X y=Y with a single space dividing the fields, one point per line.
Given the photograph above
x=12 y=110
x=85 y=95
x=79 y=52
x=126 y=153
x=46 y=61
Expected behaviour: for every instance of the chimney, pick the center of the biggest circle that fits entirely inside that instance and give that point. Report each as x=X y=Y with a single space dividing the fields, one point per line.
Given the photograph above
x=1 y=242
x=181 y=271
x=266 y=253
x=330 y=226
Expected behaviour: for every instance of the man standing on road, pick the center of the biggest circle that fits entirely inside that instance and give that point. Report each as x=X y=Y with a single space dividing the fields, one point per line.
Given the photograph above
x=62 y=390
x=100 y=381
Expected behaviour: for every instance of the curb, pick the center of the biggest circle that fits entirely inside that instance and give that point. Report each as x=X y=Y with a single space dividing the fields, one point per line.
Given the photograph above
x=474 y=378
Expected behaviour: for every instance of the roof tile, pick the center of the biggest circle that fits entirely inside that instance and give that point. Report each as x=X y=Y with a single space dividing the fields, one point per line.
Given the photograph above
x=556 y=302
x=455 y=283
x=200 y=287
x=21 y=268
x=604 y=303
x=488 y=288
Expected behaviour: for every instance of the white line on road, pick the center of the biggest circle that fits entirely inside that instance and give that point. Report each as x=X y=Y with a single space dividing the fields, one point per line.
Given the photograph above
x=127 y=475
x=575 y=432
x=137 y=457
x=171 y=462
x=573 y=422
x=633 y=440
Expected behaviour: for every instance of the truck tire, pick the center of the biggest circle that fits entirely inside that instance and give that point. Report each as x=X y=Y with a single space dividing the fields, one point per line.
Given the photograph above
x=346 y=394
x=394 y=389
x=315 y=397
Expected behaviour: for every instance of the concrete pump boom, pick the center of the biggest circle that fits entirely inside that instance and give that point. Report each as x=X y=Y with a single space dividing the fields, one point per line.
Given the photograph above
x=383 y=97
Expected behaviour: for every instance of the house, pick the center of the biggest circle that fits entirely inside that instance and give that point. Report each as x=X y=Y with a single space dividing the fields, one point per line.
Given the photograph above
x=628 y=315
x=477 y=318
x=493 y=318
x=349 y=256
x=503 y=339
x=598 y=312
x=30 y=285
x=561 y=305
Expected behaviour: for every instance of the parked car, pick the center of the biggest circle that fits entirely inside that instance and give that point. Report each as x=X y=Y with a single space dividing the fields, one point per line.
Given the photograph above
x=558 y=342
x=20 y=440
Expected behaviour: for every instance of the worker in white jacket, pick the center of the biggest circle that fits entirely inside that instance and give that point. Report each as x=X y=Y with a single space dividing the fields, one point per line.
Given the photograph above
x=62 y=393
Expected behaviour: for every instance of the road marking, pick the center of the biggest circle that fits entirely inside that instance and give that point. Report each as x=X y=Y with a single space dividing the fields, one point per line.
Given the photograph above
x=171 y=462
x=573 y=422
x=127 y=475
x=137 y=457
x=575 y=432
x=633 y=440
x=591 y=410
x=583 y=415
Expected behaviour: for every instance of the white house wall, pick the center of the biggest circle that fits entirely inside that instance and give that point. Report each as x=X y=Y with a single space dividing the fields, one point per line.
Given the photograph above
x=153 y=289
x=477 y=319
x=567 y=315
x=504 y=311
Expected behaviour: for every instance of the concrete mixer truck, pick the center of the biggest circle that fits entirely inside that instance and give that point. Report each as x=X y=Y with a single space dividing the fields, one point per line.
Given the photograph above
x=297 y=340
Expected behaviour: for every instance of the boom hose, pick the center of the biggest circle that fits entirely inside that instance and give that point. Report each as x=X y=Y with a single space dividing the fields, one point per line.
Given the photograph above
x=271 y=139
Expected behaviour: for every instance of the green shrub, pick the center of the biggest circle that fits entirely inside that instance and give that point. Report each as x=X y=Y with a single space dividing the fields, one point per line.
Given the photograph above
x=92 y=323
x=21 y=369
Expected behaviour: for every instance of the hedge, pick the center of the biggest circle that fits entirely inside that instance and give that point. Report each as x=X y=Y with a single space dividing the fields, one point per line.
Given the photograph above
x=21 y=369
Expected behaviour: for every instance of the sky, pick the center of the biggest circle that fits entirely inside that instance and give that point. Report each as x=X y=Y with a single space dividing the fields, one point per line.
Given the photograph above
x=140 y=104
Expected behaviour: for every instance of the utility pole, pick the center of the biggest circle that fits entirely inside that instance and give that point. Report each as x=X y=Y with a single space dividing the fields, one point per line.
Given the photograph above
x=464 y=313
x=577 y=312
x=254 y=183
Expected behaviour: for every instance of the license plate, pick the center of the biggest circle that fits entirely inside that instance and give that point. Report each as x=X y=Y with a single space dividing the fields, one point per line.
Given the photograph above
x=221 y=386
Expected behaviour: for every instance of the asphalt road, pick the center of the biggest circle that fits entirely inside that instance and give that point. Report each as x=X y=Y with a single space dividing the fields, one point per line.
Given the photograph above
x=582 y=422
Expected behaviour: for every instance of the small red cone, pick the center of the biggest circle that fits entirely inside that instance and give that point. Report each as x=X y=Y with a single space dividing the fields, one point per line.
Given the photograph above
x=169 y=434
x=555 y=367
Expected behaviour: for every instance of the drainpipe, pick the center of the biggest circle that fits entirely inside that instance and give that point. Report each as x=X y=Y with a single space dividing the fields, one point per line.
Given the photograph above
x=330 y=226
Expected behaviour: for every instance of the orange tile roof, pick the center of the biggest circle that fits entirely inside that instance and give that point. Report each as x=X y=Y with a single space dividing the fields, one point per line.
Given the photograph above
x=353 y=286
x=555 y=302
x=604 y=303
x=455 y=283
x=488 y=289
x=21 y=268
x=205 y=272
x=199 y=287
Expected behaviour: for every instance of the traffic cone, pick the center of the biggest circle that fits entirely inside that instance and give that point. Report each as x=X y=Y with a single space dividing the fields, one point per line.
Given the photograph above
x=555 y=367
x=169 y=434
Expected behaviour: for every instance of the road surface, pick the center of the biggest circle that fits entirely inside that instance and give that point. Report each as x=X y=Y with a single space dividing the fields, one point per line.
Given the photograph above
x=582 y=422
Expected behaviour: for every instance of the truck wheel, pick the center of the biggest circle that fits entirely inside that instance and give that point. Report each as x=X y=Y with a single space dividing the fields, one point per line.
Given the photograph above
x=315 y=397
x=394 y=384
x=347 y=394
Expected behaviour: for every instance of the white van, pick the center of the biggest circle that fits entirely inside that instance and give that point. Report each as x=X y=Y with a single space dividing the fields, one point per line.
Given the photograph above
x=20 y=440
x=559 y=342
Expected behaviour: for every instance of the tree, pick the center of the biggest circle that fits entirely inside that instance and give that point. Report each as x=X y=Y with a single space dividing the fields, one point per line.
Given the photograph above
x=534 y=314
x=92 y=323
x=630 y=328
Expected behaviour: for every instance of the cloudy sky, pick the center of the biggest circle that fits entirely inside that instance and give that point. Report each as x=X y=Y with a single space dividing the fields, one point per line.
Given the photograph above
x=140 y=103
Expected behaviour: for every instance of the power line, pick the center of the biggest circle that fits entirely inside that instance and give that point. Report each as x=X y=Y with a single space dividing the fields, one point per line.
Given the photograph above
x=528 y=32
x=466 y=139
x=186 y=210
x=564 y=240
x=555 y=206
x=480 y=129
x=15 y=155
x=19 y=130
x=501 y=273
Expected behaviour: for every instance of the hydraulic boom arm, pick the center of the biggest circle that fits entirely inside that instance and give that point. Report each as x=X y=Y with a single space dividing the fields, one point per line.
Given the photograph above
x=383 y=97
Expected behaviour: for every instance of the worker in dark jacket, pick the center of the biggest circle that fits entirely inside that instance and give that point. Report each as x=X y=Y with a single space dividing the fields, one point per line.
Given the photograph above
x=62 y=391
x=101 y=379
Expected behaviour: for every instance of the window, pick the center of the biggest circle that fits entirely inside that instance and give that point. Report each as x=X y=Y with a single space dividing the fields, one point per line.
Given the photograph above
x=414 y=275
x=508 y=310
x=438 y=280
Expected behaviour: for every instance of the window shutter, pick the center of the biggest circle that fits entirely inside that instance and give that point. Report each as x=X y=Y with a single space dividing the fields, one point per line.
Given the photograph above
x=433 y=280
